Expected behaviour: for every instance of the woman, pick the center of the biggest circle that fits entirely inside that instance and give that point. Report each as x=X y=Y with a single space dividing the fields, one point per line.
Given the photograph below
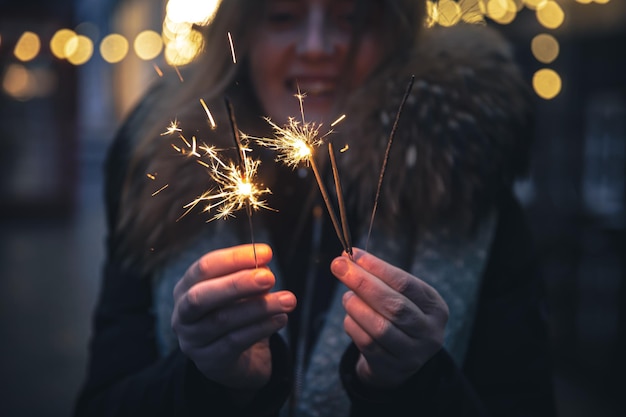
x=440 y=316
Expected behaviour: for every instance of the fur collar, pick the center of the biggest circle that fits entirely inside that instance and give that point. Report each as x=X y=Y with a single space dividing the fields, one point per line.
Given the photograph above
x=462 y=137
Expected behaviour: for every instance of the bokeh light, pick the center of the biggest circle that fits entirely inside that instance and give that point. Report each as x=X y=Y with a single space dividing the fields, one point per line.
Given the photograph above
x=547 y=83
x=200 y=12
x=27 y=46
x=114 y=48
x=79 y=50
x=449 y=13
x=550 y=15
x=183 y=50
x=23 y=84
x=545 y=48
x=502 y=11
x=534 y=4
x=148 y=45
x=59 y=41
x=17 y=82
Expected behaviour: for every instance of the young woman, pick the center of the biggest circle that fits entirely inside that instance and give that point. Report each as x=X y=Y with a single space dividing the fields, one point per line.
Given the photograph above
x=441 y=315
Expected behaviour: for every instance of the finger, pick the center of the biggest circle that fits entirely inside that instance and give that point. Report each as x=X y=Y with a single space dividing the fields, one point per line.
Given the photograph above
x=377 y=365
x=223 y=262
x=239 y=315
x=209 y=295
x=388 y=302
x=416 y=290
x=230 y=346
x=380 y=329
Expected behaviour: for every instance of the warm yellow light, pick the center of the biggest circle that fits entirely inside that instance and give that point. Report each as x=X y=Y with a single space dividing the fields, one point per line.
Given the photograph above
x=183 y=50
x=547 y=83
x=24 y=84
x=545 y=48
x=449 y=13
x=114 y=48
x=58 y=43
x=172 y=29
x=431 y=13
x=550 y=15
x=519 y=5
x=27 y=46
x=584 y=1
x=502 y=11
x=200 y=12
x=472 y=11
x=81 y=48
x=16 y=82
x=602 y=1
x=534 y=4
x=148 y=45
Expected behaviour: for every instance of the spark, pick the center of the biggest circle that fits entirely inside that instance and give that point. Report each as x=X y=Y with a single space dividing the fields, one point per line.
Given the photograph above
x=172 y=128
x=158 y=70
x=160 y=189
x=208 y=114
x=232 y=48
x=180 y=76
x=295 y=142
x=336 y=122
x=235 y=187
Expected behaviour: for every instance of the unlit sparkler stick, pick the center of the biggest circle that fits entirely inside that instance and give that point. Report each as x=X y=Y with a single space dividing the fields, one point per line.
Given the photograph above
x=386 y=157
x=329 y=206
x=342 y=205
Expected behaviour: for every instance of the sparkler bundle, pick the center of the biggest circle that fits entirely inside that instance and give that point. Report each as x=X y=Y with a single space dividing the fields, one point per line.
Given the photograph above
x=295 y=144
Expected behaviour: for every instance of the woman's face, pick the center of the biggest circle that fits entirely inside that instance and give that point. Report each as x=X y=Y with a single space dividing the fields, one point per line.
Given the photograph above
x=304 y=44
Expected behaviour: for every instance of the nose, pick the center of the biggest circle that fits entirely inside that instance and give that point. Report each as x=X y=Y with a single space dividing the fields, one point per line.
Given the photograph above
x=316 y=40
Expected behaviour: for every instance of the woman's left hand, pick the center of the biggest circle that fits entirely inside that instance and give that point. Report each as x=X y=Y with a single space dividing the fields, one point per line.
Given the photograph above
x=396 y=320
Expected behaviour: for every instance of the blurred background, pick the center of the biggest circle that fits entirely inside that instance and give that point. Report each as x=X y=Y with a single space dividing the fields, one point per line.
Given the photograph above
x=71 y=70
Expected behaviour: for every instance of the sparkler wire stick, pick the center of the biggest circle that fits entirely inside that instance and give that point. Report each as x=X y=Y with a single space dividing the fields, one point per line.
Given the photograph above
x=241 y=157
x=342 y=205
x=329 y=206
x=386 y=157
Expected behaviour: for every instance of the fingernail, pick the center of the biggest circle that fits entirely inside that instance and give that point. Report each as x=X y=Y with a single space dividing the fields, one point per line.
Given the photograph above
x=287 y=300
x=346 y=296
x=339 y=267
x=263 y=278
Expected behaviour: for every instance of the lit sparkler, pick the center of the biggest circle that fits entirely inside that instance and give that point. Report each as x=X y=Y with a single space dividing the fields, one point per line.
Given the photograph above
x=295 y=143
x=234 y=188
x=234 y=183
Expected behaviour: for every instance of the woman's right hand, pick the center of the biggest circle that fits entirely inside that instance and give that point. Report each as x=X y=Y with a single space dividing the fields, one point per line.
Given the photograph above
x=224 y=314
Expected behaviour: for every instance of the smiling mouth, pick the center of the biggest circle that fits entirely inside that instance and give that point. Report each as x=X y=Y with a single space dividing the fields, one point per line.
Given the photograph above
x=313 y=87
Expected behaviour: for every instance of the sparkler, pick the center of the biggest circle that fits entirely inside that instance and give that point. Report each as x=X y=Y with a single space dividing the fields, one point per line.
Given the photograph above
x=342 y=206
x=296 y=143
x=235 y=188
x=386 y=157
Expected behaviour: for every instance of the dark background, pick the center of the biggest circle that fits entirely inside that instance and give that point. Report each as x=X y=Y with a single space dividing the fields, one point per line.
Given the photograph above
x=52 y=226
